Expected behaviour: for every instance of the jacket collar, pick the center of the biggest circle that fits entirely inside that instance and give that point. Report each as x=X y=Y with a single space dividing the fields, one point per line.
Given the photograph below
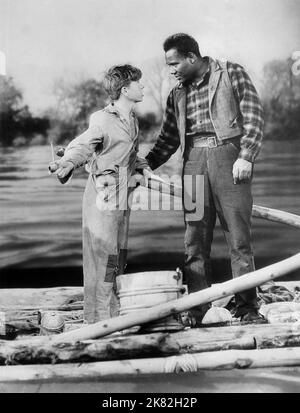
x=111 y=108
x=214 y=66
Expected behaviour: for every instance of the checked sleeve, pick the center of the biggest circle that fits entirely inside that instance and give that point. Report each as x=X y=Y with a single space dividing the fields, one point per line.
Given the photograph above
x=251 y=111
x=168 y=139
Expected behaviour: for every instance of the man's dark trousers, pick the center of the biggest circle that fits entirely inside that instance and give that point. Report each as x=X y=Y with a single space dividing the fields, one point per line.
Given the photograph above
x=233 y=205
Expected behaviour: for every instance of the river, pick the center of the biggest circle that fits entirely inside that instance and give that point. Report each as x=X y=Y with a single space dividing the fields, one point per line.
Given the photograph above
x=40 y=220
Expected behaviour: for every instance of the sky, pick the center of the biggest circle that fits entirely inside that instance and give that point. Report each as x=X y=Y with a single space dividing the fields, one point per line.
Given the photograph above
x=45 y=40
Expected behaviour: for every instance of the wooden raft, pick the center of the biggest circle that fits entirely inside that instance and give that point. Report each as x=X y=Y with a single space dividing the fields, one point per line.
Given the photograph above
x=239 y=346
x=57 y=357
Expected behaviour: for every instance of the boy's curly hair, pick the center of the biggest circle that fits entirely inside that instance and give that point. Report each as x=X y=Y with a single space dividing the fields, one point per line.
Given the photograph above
x=119 y=76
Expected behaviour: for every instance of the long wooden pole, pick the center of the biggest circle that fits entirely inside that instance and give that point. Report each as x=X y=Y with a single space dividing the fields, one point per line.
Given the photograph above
x=221 y=360
x=276 y=215
x=158 y=184
x=208 y=295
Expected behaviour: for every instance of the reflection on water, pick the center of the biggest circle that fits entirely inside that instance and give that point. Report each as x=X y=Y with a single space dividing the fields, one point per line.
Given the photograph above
x=40 y=219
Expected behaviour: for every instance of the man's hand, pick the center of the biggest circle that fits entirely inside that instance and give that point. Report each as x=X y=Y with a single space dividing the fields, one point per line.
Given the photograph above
x=61 y=168
x=241 y=171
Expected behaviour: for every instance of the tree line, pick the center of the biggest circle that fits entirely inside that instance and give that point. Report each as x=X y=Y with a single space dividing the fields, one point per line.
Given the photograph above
x=75 y=101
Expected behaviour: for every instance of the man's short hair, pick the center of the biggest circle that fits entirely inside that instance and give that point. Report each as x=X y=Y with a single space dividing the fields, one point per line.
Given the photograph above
x=119 y=76
x=183 y=43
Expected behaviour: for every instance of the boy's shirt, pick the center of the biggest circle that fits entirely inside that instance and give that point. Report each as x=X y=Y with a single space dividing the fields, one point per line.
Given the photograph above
x=110 y=142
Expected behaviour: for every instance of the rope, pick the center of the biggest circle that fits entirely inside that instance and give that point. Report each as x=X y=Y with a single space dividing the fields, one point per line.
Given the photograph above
x=186 y=363
x=272 y=293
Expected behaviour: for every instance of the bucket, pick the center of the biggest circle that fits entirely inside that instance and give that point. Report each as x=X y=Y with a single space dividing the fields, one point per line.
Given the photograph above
x=139 y=291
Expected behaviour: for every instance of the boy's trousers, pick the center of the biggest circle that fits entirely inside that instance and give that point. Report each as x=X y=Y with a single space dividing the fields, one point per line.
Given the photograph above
x=105 y=235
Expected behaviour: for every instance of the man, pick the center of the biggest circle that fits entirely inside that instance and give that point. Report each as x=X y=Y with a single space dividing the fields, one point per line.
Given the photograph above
x=214 y=114
x=110 y=147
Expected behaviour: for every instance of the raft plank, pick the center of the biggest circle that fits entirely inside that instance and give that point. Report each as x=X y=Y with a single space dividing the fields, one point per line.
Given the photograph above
x=35 y=298
x=43 y=349
x=39 y=297
x=221 y=360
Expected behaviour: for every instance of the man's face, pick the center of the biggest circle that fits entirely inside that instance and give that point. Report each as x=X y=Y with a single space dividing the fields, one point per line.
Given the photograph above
x=134 y=91
x=181 y=67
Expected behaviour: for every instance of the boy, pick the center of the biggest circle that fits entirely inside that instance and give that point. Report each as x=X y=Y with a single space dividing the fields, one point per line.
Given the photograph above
x=110 y=147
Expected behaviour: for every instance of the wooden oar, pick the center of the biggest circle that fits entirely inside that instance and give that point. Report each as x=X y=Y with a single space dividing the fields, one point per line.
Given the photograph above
x=158 y=184
x=245 y=282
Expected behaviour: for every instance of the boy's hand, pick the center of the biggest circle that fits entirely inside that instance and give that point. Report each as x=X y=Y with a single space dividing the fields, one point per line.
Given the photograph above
x=61 y=168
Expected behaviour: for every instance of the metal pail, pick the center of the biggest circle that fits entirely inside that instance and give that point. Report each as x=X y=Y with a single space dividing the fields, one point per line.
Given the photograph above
x=139 y=291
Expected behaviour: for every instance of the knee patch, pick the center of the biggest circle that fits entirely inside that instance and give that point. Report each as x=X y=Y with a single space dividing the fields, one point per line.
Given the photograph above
x=111 y=268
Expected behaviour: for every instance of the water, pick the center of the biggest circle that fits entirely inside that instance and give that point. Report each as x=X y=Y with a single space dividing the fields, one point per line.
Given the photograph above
x=40 y=220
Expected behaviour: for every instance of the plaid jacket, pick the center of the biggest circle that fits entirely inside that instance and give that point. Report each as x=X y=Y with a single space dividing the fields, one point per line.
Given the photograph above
x=248 y=123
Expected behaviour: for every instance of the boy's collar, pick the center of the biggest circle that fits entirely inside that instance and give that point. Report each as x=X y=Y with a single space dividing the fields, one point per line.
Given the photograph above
x=111 y=108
